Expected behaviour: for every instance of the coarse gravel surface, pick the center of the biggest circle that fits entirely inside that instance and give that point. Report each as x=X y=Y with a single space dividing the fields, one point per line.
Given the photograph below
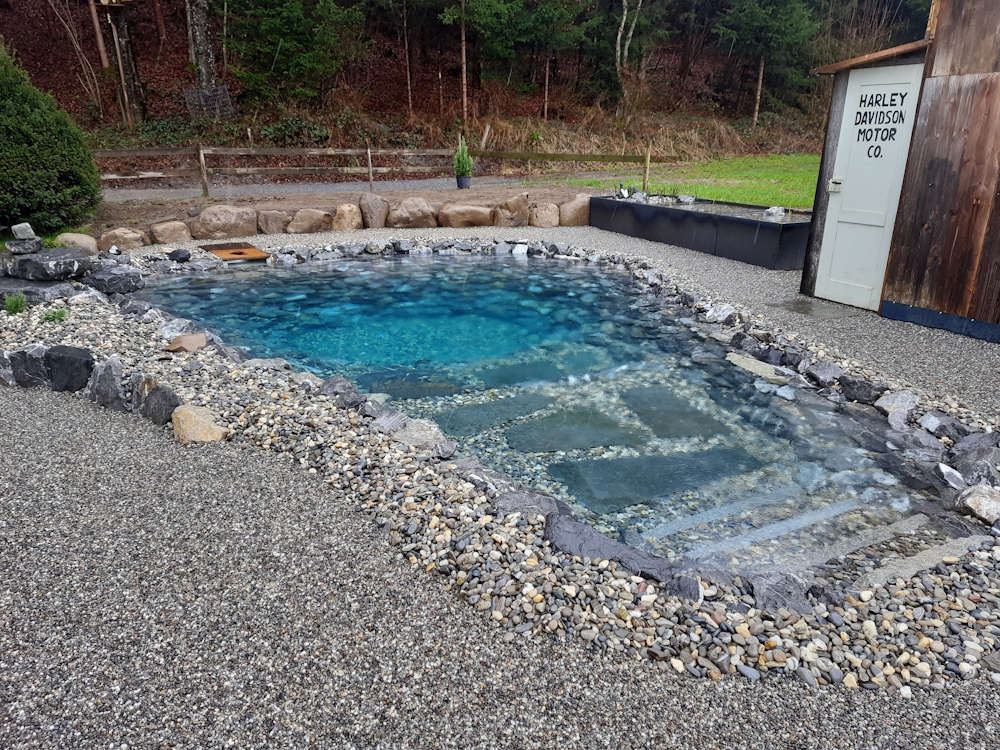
x=947 y=366
x=159 y=596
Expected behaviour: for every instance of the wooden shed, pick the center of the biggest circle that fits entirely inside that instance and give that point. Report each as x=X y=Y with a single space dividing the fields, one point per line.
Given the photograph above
x=913 y=228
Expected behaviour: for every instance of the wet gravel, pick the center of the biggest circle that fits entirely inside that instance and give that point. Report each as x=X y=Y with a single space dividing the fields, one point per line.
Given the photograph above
x=157 y=596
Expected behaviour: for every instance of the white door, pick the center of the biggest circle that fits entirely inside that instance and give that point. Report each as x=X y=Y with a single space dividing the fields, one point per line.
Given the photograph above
x=879 y=111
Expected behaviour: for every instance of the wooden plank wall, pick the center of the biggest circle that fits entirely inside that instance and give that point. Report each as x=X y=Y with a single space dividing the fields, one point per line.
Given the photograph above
x=945 y=252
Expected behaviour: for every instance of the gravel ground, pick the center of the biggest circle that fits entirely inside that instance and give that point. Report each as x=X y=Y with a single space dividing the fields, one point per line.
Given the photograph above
x=946 y=366
x=157 y=596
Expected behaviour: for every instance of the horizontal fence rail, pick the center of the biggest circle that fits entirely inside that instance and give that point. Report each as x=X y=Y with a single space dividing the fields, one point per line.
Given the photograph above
x=198 y=156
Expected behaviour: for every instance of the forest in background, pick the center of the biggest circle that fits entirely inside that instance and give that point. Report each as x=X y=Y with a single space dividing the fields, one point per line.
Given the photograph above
x=690 y=77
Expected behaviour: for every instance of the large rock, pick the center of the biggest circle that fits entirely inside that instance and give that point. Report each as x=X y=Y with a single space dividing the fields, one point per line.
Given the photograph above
x=158 y=404
x=188 y=342
x=374 y=210
x=942 y=425
x=35 y=291
x=123 y=238
x=57 y=264
x=221 y=221
x=458 y=215
x=105 y=386
x=115 y=280
x=575 y=212
x=513 y=212
x=308 y=220
x=25 y=247
x=170 y=231
x=898 y=407
x=83 y=241
x=859 y=389
x=343 y=392
x=272 y=222
x=419 y=433
x=347 y=218
x=28 y=365
x=545 y=215
x=981 y=501
x=196 y=424
x=69 y=367
x=824 y=373
x=411 y=213
x=23 y=231
x=6 y=371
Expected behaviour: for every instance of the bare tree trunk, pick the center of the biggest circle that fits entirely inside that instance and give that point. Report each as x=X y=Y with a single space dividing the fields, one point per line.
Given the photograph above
x=88 y=78
x=202 y=40
x=465 y=90
x=621 y=53
x=161 y=27
x=756 y=100
x=102 y=51
x=133 y=104
x=409 y=81
x=545 y=106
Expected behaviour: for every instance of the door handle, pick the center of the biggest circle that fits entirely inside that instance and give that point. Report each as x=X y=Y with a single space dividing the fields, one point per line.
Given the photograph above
x=835 y=185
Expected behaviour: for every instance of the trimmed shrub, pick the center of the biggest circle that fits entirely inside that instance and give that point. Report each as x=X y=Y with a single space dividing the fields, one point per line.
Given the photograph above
x=47 y=176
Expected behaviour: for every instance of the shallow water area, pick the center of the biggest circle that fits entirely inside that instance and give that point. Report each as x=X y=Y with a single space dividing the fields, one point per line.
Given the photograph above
x=573 y=380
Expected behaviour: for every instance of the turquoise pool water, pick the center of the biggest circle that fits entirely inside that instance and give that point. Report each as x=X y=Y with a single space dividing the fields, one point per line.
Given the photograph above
x=571 y=379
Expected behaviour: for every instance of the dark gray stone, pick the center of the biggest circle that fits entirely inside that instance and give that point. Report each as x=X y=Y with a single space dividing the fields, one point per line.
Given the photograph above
x=136 y=307
x=69 y=367
x=105 y=386
x=858 y=389
x=116 y=280
x=527 y=502
x=28 y=366
x=26 y=246
x=469 y=420
x=23 y=231
x=608 y=485
x=525 y=372
x=180 y=255
x=574 y=429
x=6 y=372
x=343 y=392
x=824 y=373
x=36 y=292
x=159 y=404
x=774 y=590
x=943 y=425
x=57 y=264
x=668 y=415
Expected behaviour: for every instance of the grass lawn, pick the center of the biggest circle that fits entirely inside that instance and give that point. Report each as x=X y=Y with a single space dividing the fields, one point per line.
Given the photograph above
x=777 y=180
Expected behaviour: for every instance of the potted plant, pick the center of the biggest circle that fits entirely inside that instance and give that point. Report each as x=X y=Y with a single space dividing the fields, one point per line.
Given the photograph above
x=463 y=165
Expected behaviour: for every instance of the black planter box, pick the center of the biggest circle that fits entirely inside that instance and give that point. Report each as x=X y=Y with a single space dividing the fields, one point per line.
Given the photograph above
x=772 y=244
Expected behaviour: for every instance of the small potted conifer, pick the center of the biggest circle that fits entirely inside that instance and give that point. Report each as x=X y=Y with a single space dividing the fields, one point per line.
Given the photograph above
x=463 y=165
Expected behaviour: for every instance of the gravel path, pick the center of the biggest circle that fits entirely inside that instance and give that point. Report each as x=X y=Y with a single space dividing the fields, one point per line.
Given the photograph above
x=944 y=365
x=156 y=596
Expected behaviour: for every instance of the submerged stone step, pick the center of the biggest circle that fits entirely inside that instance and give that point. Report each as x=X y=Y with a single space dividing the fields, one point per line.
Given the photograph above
x=608 y=485
x=909 y=566
x=476 y=418
x=865 y=538
x=773 y=530
x=574 y=429
x=668 y=415
x=720 y=512
x=524 y=372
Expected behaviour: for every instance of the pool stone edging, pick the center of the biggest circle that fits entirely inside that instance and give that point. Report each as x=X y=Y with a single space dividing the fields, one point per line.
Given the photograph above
x=563 y=531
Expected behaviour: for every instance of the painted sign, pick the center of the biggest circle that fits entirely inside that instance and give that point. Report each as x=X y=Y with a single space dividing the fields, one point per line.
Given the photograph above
x=879 y=119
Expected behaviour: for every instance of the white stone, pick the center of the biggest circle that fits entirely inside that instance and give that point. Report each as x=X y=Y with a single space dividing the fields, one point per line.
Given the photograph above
x=23 y=231
x=982 y=501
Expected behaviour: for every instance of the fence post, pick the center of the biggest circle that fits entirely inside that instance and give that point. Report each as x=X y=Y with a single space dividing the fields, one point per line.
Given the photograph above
x=645 y=172
x=203 y=172
x=371 y=175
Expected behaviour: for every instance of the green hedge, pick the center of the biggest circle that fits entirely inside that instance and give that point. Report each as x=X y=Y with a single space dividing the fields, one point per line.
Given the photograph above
x=47 y=176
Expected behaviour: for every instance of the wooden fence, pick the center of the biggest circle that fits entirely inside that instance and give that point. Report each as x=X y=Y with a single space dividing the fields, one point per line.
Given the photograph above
x=198 y=159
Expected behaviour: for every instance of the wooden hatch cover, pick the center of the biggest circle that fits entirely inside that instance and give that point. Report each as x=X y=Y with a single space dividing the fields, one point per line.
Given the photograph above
x=230 y=251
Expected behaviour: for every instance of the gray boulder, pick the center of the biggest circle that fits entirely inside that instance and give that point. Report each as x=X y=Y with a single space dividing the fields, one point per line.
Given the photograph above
x=36 y=291
x=105 y=386
x=981 y=501
x=6 y=373
x=25 y=246
x=898 y=407
x=343 y=392
x=116 y=280
x=824 y=373
x=69 y=367
x=28 y=366
x=159 y=404
x=858 y=389
x=57 y=264
x=23 y=231
x=942 y=425
x=374 y=210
